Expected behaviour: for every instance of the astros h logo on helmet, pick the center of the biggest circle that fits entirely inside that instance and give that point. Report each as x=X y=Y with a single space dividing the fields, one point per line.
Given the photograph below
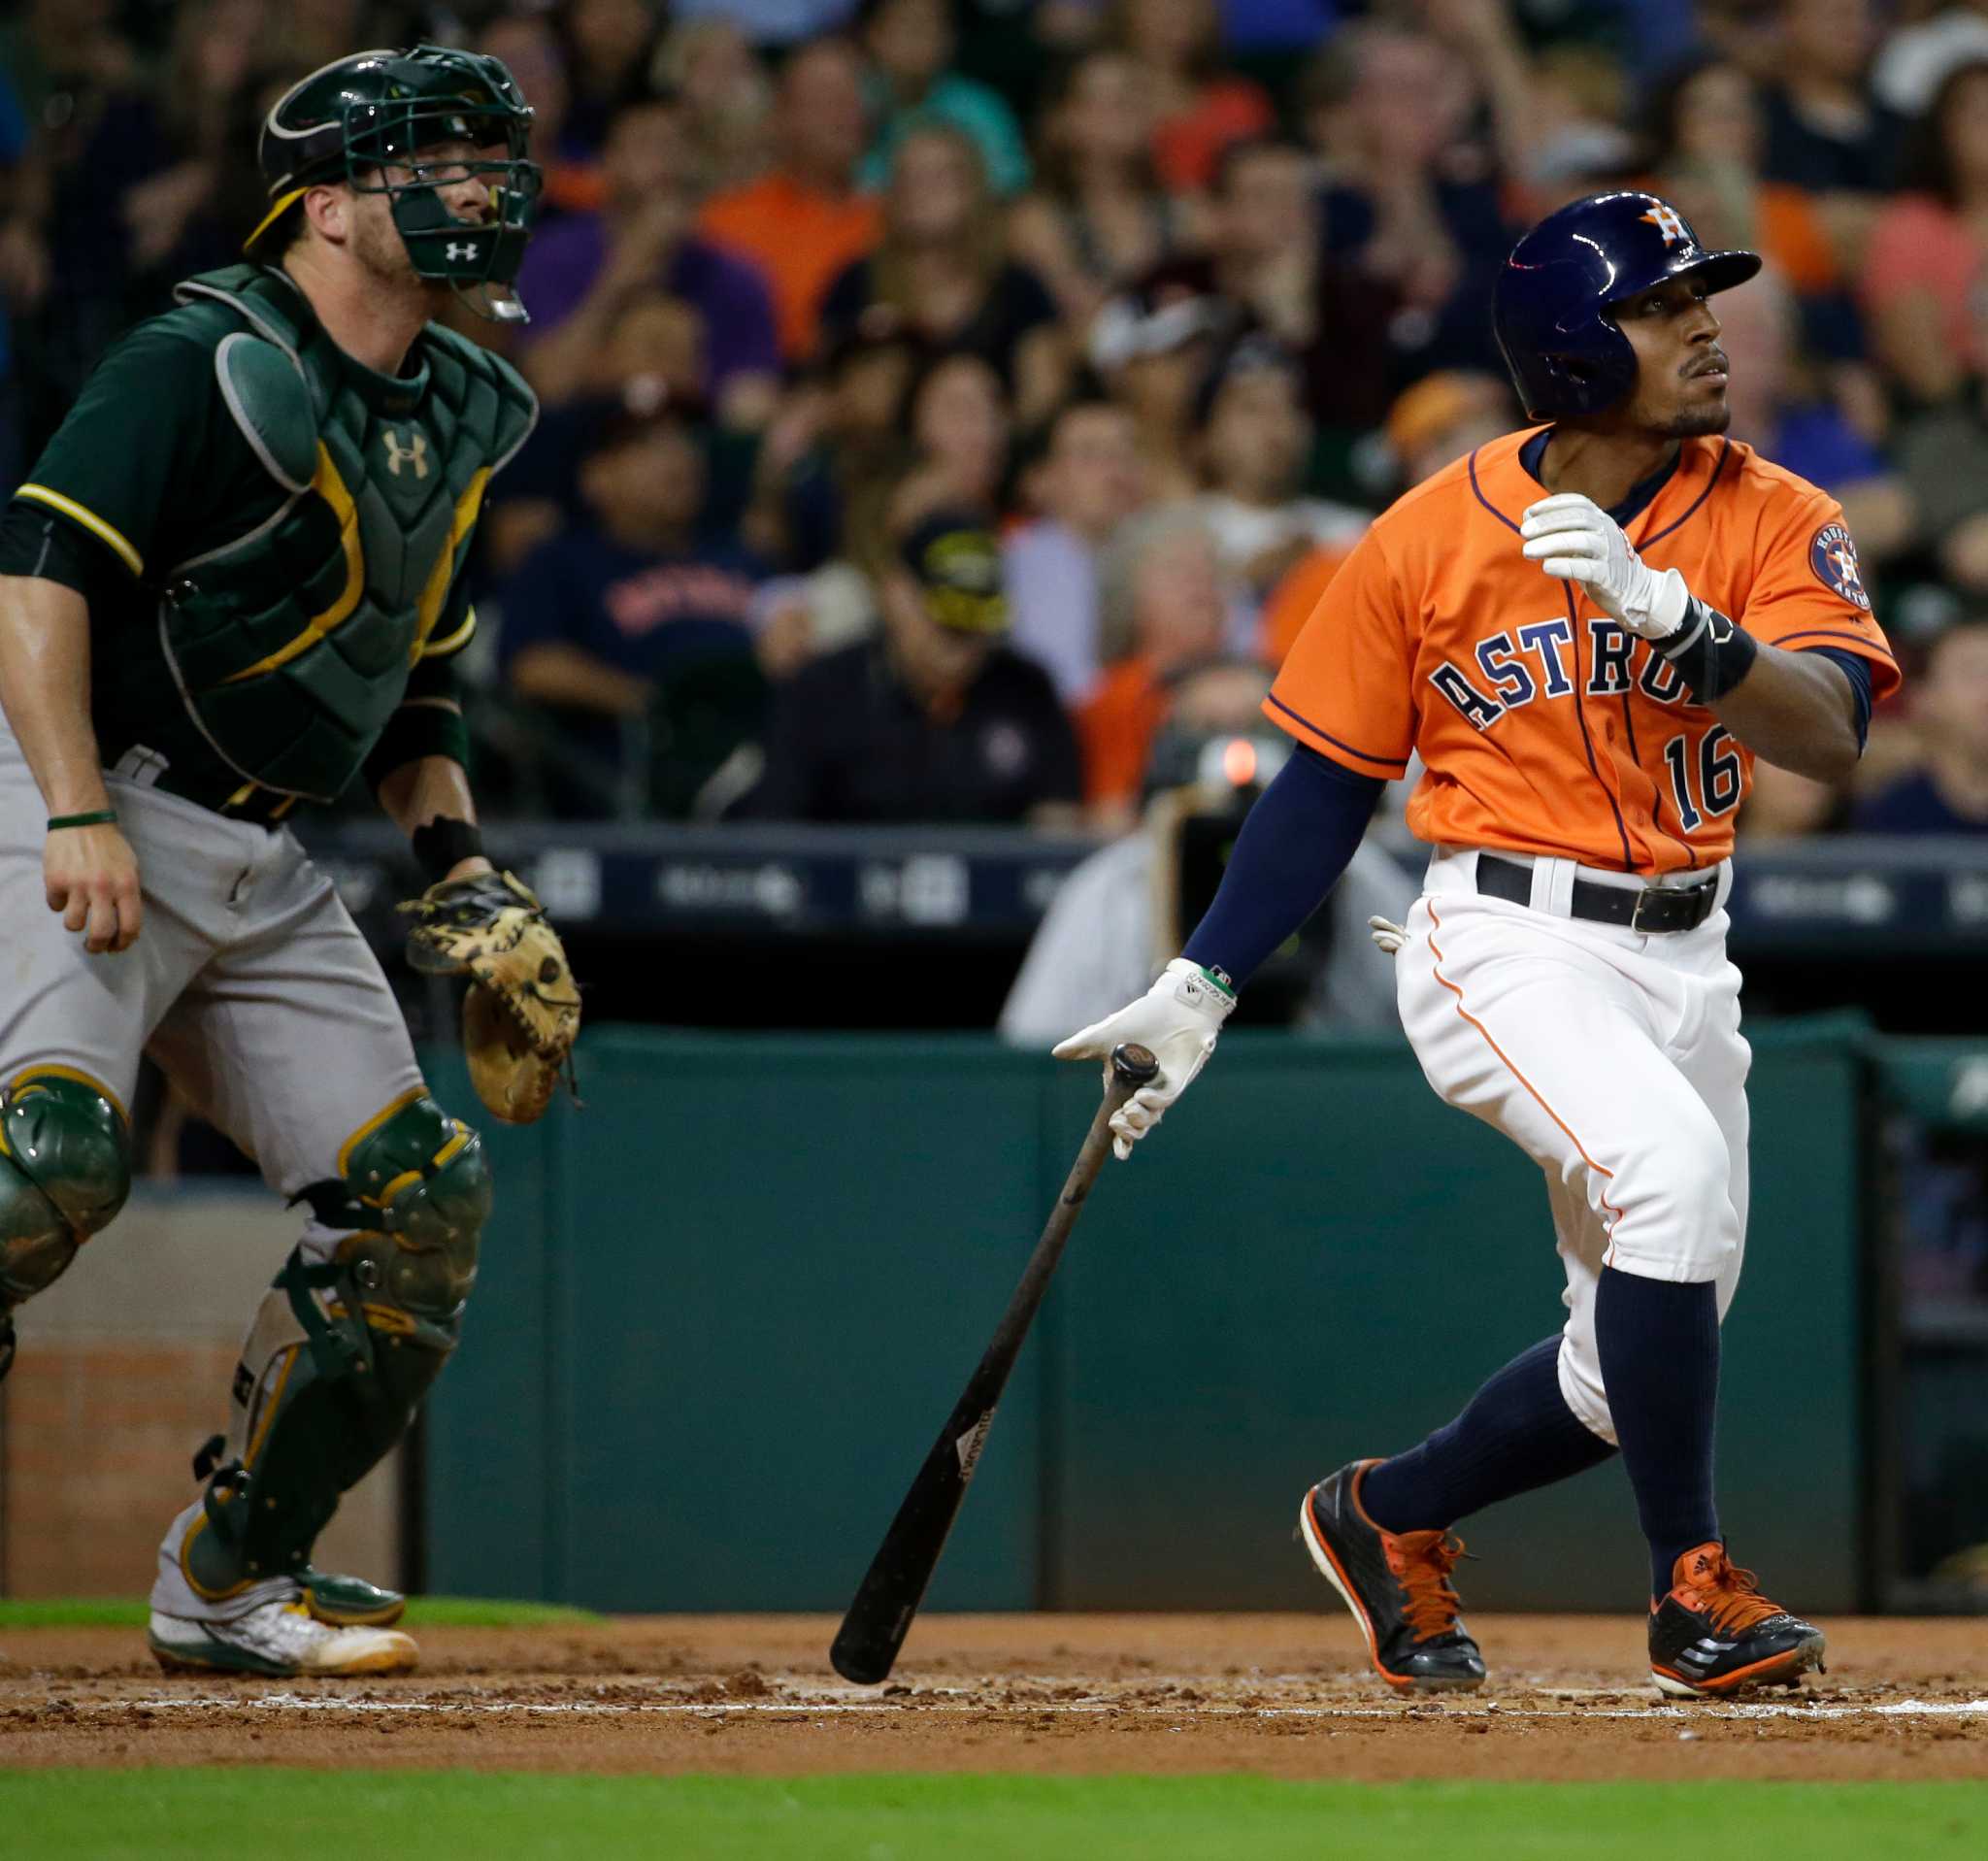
x=1668 y=221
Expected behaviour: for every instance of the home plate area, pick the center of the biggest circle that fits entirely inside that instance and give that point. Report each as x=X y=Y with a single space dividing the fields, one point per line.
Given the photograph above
x=1279 y=1695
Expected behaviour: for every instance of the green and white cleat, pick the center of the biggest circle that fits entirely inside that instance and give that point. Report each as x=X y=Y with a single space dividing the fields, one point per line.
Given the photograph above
x=279 y=1640
x=349 y=1602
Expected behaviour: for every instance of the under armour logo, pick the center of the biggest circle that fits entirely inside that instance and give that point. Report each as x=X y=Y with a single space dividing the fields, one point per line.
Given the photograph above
x=457 y=253
x=398 y=454
x=1670 y=223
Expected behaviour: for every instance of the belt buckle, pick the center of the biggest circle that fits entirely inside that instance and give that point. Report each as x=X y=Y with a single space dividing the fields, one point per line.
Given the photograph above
x=1643 y=898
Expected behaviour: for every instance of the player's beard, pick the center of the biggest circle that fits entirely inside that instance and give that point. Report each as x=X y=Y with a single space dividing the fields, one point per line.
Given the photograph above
x=1699 y=423
x=377 y=246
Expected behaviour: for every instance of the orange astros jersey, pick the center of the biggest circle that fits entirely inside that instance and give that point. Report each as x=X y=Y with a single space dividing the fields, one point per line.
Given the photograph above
x=1544 y=725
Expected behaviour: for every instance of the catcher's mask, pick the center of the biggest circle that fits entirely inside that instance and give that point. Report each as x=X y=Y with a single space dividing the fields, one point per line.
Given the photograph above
x=367 y=119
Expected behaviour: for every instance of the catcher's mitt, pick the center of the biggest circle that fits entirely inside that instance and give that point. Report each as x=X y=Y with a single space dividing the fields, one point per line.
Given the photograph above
x=522 y=1014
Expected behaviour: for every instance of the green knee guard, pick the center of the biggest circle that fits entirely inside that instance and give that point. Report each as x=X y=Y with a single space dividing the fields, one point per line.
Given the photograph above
x=343 y=1349
x=65 y=1170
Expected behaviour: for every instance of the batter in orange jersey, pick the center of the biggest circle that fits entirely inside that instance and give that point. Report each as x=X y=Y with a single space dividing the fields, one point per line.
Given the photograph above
x=1588 y=631
x=1544 y=725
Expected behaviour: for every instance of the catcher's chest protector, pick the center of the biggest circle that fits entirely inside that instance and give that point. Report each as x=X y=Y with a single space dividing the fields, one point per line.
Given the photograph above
x=292 y=646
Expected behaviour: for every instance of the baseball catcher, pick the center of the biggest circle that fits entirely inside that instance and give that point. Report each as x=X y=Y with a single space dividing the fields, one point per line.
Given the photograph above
x=232 y=585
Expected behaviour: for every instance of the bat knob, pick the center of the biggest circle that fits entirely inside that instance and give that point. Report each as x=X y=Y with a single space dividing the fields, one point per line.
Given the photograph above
x=1135 y=1065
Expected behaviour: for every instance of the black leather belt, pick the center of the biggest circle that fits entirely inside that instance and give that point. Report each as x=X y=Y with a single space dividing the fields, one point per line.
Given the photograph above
x=1647 y=909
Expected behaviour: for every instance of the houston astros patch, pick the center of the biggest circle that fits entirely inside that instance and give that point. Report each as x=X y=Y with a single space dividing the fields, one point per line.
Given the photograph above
x=1834 y=558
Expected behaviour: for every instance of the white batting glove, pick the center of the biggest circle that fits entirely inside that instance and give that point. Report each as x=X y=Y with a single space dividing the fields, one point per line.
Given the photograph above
x=1388 y=936
x=1572 y=539
x=1180 y=1018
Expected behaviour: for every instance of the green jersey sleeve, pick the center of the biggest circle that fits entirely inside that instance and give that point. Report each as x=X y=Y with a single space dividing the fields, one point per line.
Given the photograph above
x=147 y=464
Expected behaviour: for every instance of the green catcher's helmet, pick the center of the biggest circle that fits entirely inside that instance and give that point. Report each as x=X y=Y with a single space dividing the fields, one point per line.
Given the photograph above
x=357 y=117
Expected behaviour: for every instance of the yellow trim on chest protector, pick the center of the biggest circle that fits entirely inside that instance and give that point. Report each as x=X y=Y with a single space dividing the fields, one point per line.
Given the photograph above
x=332 y=489
x=443 y=572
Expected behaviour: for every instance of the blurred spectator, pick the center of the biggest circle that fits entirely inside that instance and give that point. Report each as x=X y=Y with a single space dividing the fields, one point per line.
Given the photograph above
x=1922 y=275
x=832 y=432
x=581 y=272
x=956 y=412
x=533 y=54
x=1162 y=613
x=1826 y=133
x=1409 y=197
x=912 y=45
x=1151 y=349
x=1099 y=217
x=1950 y=705
x=636 y=618
x=1200 y=109
x=1915 y=59
x=1265 y=260
x=1576 y=109
x=937 y=719
x=1254 y=27
x=771 y=23
x=942 y=272
x=1944 y=460
x=607 y=45
x=195 y=194
x=726 y=96
x=1254 y=439
x=651 y=356
x=14 y=144
x=1439 y=419
x=1089 y=481
x=315 y=32
x=1781 y=405
x=1706 y=137
x=804 y=222
x=64 y=251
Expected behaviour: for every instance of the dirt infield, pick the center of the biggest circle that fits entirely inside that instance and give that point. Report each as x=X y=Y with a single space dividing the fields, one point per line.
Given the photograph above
x=1283 y=1695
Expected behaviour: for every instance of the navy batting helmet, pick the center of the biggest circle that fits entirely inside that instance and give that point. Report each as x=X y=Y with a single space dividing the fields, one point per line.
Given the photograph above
x=1551 y=308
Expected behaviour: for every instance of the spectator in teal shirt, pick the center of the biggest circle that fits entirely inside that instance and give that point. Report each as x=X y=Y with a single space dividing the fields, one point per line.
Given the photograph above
x=911 y=46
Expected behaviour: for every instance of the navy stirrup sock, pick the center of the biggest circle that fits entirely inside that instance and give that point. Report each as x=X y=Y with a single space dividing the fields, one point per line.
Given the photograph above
x=1659 y=1345
x=1517 y=1433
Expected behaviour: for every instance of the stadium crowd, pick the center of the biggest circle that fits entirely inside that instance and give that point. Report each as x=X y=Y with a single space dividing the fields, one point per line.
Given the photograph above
x=941 y=395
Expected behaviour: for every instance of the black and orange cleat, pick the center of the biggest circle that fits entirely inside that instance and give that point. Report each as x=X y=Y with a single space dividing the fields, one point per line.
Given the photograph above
x=1714 y=1633
x=1396 y=1583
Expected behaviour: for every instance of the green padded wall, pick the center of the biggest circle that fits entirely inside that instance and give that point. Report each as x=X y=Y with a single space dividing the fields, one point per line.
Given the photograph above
x=725 y=1307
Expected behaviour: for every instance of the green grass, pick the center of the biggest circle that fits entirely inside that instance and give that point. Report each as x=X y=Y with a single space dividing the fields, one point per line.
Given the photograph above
x=423 y=1612
x=411 y=1815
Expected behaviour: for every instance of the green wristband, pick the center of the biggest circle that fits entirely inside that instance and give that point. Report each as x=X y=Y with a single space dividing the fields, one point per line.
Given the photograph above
x=100 y=817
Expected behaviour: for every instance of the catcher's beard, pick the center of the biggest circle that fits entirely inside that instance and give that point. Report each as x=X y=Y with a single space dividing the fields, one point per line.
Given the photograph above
x=378 y=247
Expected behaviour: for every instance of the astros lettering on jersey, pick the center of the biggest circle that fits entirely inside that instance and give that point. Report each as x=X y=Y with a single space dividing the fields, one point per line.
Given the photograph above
x=1544 y=725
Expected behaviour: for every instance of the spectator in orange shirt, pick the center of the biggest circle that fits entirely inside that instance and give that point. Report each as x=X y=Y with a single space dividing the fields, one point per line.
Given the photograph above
x=804 y=222
x=1201 y=109
x=1163 y=614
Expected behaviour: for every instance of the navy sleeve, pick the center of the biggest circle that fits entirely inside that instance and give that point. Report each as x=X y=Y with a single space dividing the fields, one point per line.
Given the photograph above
x=1858 y=671
x=1291 y=851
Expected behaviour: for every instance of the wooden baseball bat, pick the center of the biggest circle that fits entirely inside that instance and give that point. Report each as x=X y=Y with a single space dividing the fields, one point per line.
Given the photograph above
x=867 y=1644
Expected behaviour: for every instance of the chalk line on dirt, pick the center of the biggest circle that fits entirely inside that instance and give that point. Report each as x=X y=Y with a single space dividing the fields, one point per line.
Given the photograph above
x=816 y=1706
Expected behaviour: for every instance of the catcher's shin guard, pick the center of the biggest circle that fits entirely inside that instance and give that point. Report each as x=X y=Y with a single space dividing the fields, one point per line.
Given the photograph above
x=344 y=1348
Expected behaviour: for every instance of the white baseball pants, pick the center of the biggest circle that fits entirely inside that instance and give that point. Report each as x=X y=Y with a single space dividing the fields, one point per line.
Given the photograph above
x=1613 y=1058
